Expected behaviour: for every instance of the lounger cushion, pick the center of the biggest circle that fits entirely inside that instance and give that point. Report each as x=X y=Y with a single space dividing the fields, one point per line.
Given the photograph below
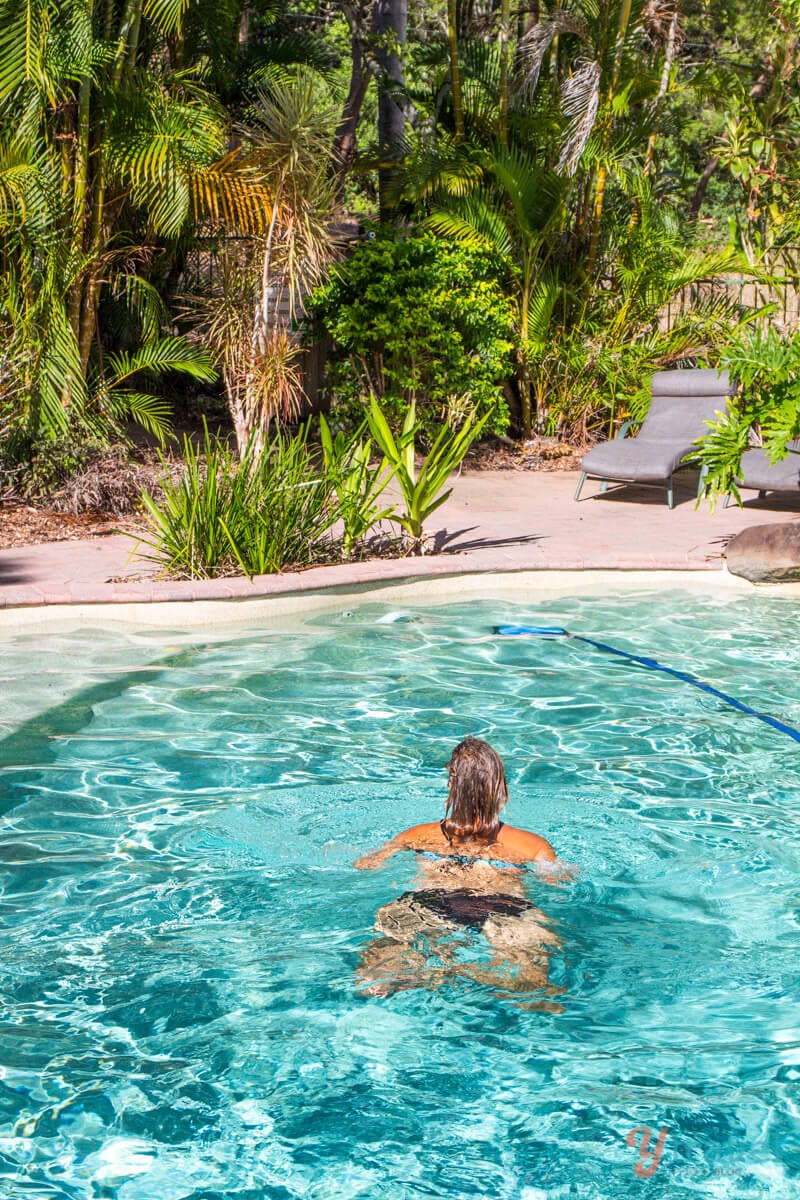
x=757 y=472
x=698 y=381
x=642 y=459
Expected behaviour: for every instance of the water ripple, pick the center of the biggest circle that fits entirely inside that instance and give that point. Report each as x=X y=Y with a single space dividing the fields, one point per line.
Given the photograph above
x=181 y=922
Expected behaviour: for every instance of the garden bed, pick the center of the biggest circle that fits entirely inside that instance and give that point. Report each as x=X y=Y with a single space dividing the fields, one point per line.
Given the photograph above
x=31 y=523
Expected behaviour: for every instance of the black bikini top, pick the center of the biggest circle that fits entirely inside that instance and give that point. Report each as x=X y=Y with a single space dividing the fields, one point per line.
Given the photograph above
x=466 y=860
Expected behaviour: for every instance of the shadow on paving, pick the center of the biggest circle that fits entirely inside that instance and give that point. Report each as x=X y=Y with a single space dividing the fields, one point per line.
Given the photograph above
x=11 y=571
x=773 y=502
x=445 y=542
x=632 y=493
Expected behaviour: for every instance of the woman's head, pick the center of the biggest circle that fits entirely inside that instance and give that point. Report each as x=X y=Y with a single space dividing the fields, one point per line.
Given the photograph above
x=478 y=791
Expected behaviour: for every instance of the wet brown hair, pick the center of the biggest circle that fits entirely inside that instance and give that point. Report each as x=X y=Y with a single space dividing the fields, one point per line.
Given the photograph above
x=478 y=791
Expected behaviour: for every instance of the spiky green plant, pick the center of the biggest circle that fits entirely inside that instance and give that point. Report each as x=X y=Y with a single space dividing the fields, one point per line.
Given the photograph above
x=424 y=488
x=269 y=510
x=358 y=483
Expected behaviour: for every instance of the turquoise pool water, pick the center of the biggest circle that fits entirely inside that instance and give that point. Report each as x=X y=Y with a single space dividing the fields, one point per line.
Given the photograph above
x=181 y=925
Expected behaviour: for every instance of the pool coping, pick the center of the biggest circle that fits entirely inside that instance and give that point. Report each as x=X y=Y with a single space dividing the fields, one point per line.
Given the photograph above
x=302 y=594
x=495 y=526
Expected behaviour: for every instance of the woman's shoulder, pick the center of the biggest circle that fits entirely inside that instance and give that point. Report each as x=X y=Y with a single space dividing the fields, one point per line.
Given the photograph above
x=526 y=845
x=420 y=835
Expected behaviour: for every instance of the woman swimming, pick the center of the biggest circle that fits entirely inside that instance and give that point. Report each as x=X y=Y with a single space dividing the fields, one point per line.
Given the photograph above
x=470 y=878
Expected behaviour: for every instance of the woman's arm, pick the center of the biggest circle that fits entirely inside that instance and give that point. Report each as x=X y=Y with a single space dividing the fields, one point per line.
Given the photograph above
x=404 y=841
x=370 y=862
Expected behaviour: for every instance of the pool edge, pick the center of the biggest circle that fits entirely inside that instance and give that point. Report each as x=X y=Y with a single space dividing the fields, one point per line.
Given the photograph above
x=293 y=602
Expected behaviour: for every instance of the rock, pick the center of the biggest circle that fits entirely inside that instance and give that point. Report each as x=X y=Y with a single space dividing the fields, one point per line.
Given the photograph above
x=766 y=553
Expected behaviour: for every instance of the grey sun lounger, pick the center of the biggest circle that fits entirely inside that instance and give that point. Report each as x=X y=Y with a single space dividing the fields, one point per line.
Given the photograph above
x=681 y=404
x=758 y=473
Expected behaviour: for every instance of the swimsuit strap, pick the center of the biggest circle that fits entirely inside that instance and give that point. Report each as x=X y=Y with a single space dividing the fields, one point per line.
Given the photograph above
x=466 y=860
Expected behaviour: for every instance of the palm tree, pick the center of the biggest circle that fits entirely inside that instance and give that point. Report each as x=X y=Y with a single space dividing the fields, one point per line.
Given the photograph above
x=247 y=321
x=113 y=139
x=514 y=213
x=608 y=79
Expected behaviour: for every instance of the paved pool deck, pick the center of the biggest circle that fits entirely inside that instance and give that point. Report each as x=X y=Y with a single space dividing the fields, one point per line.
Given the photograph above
x=495 y=521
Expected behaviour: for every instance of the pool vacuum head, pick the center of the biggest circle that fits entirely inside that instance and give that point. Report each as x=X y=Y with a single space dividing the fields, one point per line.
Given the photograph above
x=545 y=631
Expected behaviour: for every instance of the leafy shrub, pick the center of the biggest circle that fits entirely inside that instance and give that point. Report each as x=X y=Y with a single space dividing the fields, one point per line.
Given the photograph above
x=417 y=319
x=38 y=467
x=766 y=407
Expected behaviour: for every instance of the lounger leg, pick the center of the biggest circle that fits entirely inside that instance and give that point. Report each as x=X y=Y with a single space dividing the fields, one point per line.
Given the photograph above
x=604 y=485
x=761 y=494
x=581 y=482
x=728 y=497
x=669 y=492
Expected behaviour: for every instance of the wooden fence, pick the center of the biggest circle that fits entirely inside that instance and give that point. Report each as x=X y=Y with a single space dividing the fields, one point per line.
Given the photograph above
x=744 y=293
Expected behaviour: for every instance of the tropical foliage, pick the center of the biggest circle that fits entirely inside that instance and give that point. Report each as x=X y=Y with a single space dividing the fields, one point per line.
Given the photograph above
x=423 y=488
x=359 y=483
x=282 y=505
x=765 y=410
x=110 y=144
x=288 y=127
x=416 y=320
x=252 y=514
x=563 y=197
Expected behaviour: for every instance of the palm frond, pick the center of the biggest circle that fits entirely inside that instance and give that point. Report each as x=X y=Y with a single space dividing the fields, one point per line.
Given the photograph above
x=231 y=194
x=544 y=298
x=166 y=15
x=534 y=192
x=24 y=28
x=580 y=99
x=151 y=413
x=145 y=302
x=477 y=223
x=445 y=166
x=167 y=354
x=58 y=375
x=538 y=40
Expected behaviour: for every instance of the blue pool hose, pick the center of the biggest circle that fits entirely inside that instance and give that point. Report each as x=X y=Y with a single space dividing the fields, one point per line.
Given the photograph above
x=553 y=631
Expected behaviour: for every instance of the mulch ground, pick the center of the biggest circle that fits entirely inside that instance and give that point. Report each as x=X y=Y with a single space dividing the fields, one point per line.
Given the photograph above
x=28 y=524
x=537 y=454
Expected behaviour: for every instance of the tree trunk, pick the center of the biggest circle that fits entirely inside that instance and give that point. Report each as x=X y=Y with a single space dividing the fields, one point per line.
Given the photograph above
x=602 y=172
x=505 y=33
x=391 y=23
x=243 y=32
x=344 y=141
x=80 y=189
x=455 y=70
x=669 y=59
x=700 y=190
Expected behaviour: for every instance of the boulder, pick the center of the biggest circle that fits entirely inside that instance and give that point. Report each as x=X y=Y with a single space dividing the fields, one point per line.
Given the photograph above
x=766 y=553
